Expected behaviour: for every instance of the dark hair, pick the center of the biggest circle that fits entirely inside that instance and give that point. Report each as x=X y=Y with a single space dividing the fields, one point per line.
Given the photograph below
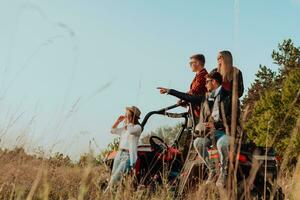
x=216 y=76
x=199 y=57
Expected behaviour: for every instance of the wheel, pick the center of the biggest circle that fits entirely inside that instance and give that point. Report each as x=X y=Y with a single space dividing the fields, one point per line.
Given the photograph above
x=158 y=145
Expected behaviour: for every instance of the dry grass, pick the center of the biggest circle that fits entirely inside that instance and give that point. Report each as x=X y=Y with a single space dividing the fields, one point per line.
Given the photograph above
x=295 y=191
x=27 y=177
x=23 y=176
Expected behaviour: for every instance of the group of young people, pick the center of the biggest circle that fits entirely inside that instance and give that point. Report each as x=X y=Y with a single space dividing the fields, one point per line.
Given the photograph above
x=210 y=97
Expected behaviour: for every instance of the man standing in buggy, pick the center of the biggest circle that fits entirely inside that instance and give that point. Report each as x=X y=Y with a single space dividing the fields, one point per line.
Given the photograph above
x=213 y=125
x=129 y=137
x=197 y=87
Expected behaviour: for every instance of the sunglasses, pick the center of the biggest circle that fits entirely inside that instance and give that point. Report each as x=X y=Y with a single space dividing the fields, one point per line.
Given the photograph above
x=191 y=63
x=209 y=80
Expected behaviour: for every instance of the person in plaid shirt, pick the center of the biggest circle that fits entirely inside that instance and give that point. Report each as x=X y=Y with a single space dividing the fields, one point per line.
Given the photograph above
x=197 y=86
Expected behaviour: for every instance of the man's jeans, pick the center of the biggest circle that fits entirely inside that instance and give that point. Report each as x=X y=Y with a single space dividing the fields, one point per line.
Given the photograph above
x=201 y=145
x=121 y=165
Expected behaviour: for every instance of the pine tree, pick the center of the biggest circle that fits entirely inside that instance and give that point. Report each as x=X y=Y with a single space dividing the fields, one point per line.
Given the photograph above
x=264 y=81
x=287 y=57
x=276 y=107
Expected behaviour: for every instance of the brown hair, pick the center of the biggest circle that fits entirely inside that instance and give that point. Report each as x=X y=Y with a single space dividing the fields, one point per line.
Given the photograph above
x=135 y=118
x=216 y=76
x=199 y=57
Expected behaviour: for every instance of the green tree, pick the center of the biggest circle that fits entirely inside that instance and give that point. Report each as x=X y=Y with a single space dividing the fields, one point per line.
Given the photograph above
x=264 y=81
x=287 y=57
x=167 y=133
x=277 y=107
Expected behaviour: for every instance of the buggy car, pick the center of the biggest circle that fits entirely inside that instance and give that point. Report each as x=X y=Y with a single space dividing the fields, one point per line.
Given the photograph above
x=181 y=166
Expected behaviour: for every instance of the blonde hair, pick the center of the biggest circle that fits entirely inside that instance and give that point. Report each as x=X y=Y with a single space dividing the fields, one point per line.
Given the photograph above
x=226 y=67
x=134 y=118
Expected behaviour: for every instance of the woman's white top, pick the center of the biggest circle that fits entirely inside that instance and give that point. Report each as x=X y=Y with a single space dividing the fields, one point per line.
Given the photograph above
x=129 y=139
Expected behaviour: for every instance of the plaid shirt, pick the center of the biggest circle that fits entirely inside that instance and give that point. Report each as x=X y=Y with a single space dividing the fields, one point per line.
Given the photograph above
x=197 y=88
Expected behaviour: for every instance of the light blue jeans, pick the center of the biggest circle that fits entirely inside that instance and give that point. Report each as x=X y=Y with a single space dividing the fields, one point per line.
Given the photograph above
x=201 y=145
x=121 y=166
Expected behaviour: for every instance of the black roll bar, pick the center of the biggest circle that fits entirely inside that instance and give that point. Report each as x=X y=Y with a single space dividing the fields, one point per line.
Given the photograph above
x=163 y=111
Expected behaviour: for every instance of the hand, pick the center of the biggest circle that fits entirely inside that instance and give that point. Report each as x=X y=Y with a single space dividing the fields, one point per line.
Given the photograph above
x=210 y=125
x=163 y=90
x=121 y=118
x=118 y=121
x=181 y=103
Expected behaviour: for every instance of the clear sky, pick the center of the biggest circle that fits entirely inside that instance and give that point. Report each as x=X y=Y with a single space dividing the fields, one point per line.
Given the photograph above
x=69 y=67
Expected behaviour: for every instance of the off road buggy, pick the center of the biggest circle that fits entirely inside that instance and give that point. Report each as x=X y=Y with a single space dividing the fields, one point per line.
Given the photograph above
x=255 y=169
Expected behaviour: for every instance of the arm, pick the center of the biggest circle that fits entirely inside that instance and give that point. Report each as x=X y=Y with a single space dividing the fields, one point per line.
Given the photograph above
x=115 y=129
x=187 y=97
x=135 y=130
x=240 y=84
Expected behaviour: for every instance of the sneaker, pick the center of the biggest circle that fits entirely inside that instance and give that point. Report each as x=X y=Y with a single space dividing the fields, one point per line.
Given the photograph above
x=221 y=182
x=211 y=178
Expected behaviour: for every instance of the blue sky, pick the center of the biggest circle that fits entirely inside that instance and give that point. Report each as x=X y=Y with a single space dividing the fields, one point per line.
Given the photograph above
x=68 y=68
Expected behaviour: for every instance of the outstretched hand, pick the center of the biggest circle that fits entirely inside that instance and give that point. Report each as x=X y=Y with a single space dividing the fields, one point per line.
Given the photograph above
x=163 y=90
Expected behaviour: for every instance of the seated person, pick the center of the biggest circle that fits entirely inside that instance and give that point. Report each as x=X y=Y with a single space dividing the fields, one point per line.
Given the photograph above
x=227 y=70
x=129 y=137
x=219 y=103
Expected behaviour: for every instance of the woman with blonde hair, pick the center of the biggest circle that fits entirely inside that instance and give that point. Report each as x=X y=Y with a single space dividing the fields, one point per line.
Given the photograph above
x=129 y=135
x=228 y=71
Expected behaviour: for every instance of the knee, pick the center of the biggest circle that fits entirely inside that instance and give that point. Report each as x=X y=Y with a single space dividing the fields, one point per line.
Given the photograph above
x=199 y=143
x=223 y=144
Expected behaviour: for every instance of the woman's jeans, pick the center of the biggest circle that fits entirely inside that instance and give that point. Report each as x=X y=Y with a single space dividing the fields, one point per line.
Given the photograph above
x=121 y=166
x=201 y=145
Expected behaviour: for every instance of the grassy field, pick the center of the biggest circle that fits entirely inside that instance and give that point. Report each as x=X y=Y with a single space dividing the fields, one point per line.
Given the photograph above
x=24 y=176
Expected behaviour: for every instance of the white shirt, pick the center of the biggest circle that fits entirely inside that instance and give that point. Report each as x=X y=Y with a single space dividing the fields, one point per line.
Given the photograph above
x=129 y=139
x=216 y=111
